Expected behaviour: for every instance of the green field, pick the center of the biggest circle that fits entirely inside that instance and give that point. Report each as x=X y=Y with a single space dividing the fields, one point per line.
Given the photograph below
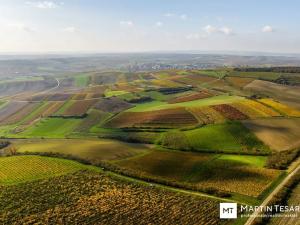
x=157 y=105
x=228 y=137
x=92 y=150
x=257 y=161
x=66 y=105
x=82 y=80
x=52 y=128
x=18 y=169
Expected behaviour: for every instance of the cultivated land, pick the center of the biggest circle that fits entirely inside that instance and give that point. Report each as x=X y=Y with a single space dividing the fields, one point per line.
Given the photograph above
x=166 y=146
x=205 y=171
x=20 y=169
x=94 y=150
x=89 y=197
x=280 y=134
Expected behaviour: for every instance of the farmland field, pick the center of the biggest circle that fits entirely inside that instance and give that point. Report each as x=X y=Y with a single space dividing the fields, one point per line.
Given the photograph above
x=101 y=198
x=162 y=146
x=81 y=80
x=157 y=105
x=174 y=117
x=10 y=108
x=78 y=108
x=229 y=137
x=205 y=170
x=51 y=127
x=270 y=131
x=291 y=93
x=19 y=169
x=283 y=109
x=92 y=150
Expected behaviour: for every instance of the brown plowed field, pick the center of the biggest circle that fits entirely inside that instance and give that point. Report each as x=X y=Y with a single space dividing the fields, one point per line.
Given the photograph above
x=229 y=112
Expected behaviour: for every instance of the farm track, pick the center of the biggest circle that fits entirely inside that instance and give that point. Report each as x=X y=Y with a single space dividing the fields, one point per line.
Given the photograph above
x=178 y=190
x=251 y=220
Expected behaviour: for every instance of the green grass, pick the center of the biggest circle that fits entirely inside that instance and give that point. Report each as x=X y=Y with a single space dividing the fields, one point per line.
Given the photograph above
x=19 y=169
x=52 y=128
x=158 y=105
x=5 y=131
x=114 y=93
x=82 y=80
x=230 y=137
x=127 y=96
x=66 y=105
x=257 y=161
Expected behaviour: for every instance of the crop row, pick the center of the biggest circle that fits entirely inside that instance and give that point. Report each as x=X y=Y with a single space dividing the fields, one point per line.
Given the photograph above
x=92 y=198
x=160 y=118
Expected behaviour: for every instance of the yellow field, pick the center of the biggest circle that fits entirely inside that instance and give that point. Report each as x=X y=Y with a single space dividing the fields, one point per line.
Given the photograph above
x=18 y=169
x=248 y=108
x=267 y=111
x=284 y=109
x=206 y=115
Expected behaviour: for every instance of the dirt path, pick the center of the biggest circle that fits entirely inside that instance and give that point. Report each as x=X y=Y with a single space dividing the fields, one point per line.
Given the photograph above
x=251 y=220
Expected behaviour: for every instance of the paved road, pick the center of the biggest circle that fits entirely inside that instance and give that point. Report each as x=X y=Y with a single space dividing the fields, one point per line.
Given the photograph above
x=274 y=192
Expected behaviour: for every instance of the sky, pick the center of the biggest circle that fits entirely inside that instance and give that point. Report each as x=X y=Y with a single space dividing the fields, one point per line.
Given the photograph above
x=155 y=25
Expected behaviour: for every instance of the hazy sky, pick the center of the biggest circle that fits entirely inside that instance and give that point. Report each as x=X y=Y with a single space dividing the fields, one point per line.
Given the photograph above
x=149 y=25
